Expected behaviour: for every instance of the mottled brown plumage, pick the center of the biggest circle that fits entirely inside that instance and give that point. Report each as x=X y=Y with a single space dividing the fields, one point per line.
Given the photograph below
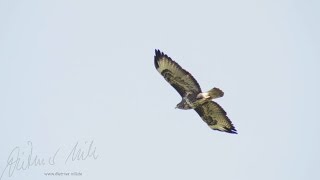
x=192 y=97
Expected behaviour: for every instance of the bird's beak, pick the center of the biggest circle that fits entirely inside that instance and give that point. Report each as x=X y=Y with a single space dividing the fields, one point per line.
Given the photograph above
x=176 y=107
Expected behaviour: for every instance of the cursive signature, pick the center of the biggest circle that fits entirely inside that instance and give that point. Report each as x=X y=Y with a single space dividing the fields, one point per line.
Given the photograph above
x=80 y=153
x=21 y=159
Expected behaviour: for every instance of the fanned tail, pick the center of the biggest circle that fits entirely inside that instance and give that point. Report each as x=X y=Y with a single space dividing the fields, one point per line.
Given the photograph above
x=215 y=93
x=211 y=94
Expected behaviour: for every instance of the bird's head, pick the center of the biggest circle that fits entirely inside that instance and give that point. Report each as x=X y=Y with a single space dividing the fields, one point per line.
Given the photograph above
x=179 y=106
x=183 y=105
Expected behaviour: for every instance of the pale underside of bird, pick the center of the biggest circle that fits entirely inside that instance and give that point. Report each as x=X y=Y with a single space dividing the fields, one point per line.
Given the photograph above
x=192 y=96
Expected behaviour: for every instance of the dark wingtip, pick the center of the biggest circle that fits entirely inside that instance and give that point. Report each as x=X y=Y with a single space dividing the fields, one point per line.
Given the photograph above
x=158 y=55
x=156 y=58
x=158 y=52
x=231 y=130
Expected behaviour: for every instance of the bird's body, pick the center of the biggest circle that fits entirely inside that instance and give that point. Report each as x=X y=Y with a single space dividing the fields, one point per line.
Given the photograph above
x=192 y=96
x=194 y=100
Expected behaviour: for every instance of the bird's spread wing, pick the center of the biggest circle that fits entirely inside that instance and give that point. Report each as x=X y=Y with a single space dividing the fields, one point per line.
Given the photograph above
x=216 y=118
x=179 y=78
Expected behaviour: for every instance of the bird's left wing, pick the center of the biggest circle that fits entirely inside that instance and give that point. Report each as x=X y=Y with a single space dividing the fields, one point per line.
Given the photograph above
x=179 y=78
x=216 y=118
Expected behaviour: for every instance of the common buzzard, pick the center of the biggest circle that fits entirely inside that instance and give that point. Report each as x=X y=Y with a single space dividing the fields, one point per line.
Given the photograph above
x=192 y=96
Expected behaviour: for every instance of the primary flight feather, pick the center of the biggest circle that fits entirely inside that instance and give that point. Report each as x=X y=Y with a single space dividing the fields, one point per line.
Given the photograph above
x=192 y=96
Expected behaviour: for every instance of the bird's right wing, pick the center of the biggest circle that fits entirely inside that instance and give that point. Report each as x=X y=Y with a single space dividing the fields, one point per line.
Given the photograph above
x=216 y=118
x=176 y=76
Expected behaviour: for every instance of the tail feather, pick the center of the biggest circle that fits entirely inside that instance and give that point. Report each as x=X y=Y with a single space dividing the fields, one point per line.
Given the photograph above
x=211 y=94
x=215 y=93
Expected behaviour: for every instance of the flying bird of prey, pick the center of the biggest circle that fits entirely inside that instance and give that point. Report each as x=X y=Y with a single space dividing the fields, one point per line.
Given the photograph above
x=192 y=96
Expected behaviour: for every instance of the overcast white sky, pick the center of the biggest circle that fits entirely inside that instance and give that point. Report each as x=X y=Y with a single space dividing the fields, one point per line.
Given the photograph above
x=82 y=71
